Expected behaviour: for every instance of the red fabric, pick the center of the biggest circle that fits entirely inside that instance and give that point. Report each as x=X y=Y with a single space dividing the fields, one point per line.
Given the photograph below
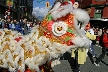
x=18 y=39
x=105 y=40
x=97 y=38
x=28 y=70
x=72 y=1
x=64 y=3
x=31 y=25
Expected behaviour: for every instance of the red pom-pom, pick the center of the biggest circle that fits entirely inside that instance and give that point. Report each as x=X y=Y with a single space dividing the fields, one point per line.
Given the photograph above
x=69 y=43
x=18 y=39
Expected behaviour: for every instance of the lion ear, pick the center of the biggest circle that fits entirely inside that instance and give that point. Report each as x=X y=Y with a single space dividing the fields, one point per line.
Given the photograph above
x=75 y=5
x=81 y=15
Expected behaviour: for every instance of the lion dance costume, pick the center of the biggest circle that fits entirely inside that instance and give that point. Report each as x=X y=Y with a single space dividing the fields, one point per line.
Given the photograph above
x=59 y=32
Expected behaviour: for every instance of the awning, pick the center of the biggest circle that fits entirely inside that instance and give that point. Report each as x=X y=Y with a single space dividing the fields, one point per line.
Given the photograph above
x=100 y=19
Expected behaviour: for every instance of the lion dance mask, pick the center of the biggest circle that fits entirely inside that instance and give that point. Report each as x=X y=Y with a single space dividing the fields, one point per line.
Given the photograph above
x=59 y=32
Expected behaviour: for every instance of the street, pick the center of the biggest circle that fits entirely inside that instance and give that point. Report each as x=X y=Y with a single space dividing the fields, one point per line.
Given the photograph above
x=88 y=66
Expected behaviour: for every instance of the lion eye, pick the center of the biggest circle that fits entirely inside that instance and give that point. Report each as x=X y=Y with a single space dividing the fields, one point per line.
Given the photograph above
x=59 y=28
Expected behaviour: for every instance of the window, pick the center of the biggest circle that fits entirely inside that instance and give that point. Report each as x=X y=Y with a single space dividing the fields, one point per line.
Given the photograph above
x=98 y=13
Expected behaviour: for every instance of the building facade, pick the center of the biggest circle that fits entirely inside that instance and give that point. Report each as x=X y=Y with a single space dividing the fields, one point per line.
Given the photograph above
x=25 y=9
x=98 y=8
x=2 y=10
x=4 y=7
x=18 y=8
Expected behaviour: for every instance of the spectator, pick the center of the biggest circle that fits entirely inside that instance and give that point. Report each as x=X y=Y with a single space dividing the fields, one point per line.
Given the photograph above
x=10 y=26
x=13 y=25
x=7 y=23
x=28 y=26
x=3 y=23
x=93 y=41
x=98 y=37
x=17 y=27
x=24 y=27
x=104 y=44
x=96 y=31
x=0 y=23
x=100 y=32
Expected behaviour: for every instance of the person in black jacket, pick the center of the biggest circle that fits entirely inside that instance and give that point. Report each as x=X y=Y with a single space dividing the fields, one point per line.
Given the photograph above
x=23 y=25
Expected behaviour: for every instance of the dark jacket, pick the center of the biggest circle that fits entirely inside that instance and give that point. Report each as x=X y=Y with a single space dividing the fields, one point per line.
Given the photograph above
x=18 y=27
x=101 y=41
x=25 y=29
x=21 y=24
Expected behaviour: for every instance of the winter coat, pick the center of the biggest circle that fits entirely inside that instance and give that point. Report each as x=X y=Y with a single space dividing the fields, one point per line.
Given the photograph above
x=105 y=40
x=17 y=27
x=25 y=29
x=21 y=24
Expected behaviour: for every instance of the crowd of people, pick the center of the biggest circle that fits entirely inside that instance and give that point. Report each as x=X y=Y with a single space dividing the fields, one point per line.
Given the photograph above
x=23 y=26
x=100 y=40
